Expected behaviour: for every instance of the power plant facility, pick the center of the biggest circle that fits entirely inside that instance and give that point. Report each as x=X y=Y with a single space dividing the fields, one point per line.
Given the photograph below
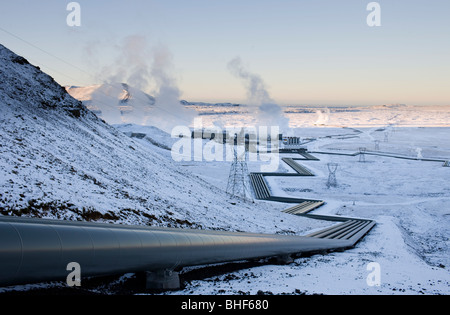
x=227 y=137
x=291 y=142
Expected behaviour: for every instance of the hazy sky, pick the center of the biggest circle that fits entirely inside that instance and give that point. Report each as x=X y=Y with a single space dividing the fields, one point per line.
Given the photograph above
x=306 y=51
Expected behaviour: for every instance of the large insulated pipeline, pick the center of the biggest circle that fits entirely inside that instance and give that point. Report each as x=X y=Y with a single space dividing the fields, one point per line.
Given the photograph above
x=38 y=250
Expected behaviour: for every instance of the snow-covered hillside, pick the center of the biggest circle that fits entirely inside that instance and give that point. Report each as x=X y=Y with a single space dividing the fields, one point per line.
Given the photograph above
x=59 y=160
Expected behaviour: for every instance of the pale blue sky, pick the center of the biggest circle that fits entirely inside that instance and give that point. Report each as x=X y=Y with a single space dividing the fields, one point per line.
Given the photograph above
x=307 y=52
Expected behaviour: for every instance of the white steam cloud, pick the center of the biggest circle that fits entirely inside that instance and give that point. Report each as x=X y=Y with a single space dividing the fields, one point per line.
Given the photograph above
x=169 y=111
x=268 y=113
x=419 y=153
x=123 y=98
x=323 y=116
x=132 y=65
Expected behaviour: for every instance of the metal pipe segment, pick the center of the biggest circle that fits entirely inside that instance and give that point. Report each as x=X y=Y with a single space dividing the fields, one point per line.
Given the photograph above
x=38 y=250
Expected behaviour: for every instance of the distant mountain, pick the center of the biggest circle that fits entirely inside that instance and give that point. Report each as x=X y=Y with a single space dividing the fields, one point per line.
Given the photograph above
x=115 y=102
x=187 y=103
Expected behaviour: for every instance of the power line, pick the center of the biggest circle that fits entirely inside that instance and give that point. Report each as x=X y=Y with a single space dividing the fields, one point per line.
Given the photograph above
x=45 y=52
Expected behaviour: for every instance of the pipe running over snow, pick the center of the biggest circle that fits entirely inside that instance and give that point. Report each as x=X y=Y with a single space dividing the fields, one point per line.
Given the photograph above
x=39 y=250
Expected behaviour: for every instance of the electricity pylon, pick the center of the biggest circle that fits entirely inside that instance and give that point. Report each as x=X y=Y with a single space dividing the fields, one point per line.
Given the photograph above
x=238 y=180
x=332 y=168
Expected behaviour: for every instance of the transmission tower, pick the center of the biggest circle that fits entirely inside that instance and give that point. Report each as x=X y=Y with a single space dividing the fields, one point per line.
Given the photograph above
x=238 y=181
x=362 y=154
x=332 y=168
x=377 y=145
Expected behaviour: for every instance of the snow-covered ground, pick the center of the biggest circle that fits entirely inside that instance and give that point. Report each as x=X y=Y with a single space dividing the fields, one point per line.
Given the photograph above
x=409 y=200
x=58 y=160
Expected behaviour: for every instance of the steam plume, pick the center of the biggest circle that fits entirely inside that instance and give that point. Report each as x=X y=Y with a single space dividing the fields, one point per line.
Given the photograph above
x=169 y=111
x=134 y=71
x=268 y=113
x=323 y=116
